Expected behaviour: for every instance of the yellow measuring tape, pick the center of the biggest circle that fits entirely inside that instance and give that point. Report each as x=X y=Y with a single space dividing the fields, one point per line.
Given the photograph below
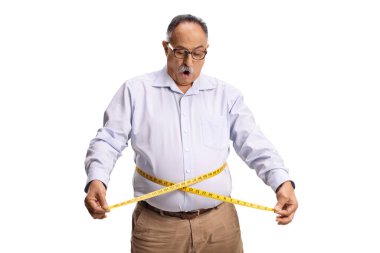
x=183 y=186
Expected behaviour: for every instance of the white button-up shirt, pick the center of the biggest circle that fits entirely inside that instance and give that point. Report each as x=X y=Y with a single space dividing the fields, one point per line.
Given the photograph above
x=177 y=136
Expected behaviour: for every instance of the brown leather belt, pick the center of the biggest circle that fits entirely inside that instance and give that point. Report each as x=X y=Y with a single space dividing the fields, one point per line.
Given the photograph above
x=182 y=215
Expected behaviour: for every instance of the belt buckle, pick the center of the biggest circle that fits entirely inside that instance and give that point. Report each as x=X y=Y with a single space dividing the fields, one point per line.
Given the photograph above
x=190 y=215
x=195 y=214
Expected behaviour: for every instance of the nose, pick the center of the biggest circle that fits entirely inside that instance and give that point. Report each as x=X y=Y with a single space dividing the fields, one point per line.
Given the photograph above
x=188 y=60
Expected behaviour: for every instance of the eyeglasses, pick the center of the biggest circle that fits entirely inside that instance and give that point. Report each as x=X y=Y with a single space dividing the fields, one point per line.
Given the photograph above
x=180 y=53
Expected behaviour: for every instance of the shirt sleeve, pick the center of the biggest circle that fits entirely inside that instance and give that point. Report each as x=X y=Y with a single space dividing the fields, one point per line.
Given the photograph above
x=251 y=145
x=111 y=139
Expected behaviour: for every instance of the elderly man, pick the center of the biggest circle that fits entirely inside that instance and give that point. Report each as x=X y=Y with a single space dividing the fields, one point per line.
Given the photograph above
x=180 y=123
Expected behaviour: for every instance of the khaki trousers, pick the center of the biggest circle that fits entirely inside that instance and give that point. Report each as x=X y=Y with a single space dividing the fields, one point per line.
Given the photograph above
x=215 y=231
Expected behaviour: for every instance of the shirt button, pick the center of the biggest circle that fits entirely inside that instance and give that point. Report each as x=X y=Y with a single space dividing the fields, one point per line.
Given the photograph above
x=185 y=131
x=187 y=171
x=187 y=149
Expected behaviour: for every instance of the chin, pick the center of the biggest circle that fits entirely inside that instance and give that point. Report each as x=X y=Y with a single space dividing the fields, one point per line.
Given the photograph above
x=185 y=80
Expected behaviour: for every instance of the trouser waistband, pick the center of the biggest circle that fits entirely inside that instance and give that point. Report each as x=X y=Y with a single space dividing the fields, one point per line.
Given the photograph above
x=182 y=215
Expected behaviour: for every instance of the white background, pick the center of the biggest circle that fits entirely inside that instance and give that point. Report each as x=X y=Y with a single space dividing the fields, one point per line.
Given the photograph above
x=308 y=69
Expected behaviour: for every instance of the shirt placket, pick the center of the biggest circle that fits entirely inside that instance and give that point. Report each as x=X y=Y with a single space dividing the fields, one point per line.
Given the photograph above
x=186 y=143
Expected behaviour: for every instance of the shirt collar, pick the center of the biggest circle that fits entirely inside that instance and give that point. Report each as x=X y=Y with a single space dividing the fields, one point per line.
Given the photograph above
x=201 y=83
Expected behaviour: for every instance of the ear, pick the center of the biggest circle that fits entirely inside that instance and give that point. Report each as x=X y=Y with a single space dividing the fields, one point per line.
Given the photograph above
x=165 y=46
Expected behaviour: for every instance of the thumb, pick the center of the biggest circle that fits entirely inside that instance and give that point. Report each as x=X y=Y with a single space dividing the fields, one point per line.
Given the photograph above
x=280 y=204
x=103 y=202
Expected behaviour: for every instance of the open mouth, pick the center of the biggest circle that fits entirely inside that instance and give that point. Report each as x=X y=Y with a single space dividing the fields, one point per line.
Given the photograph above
x=185 y=70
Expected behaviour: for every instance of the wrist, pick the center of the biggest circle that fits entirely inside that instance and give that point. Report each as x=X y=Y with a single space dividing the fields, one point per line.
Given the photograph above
x=94 y=183
x=289 y=183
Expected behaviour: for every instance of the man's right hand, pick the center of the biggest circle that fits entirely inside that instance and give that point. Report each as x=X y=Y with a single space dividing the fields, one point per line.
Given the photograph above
x=95 y=200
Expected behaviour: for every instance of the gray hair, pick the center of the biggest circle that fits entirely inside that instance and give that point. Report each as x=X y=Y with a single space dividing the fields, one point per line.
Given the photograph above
x=182 y=19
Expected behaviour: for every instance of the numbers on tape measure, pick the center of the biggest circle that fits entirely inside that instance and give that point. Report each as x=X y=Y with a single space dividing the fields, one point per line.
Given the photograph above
x=183 y=186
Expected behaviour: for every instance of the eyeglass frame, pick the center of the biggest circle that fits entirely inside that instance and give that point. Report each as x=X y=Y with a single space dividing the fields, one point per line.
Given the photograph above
x=187 y=52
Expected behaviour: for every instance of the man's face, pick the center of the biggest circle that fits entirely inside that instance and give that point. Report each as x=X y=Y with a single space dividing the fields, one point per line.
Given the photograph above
x=189 y=36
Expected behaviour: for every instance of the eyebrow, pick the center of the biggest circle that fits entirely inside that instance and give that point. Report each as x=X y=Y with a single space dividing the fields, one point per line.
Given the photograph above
x=181 y=47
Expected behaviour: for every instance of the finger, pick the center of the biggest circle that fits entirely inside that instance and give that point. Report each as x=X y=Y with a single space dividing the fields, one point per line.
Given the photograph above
x=99 y=216
x=279 y=206
x=103 y=203
x=94 y=207
x=284 y=220
x=287 y=210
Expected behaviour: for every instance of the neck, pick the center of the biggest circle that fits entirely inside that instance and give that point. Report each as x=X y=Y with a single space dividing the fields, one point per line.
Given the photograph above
x=184 y=87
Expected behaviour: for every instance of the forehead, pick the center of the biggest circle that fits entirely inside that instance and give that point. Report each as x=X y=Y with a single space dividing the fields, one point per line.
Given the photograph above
x=188 y=34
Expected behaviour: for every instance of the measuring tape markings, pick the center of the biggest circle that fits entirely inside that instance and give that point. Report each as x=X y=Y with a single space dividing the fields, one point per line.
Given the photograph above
x=183 y=186
x=170 y=188
x=203 y=192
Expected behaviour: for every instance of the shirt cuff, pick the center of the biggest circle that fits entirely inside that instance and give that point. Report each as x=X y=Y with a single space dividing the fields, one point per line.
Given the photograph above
x=293 y=185
x=96 y=174
x=277 y=178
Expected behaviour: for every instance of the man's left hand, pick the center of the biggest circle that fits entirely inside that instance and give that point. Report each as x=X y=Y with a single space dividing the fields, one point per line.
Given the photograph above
x=287 y=203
